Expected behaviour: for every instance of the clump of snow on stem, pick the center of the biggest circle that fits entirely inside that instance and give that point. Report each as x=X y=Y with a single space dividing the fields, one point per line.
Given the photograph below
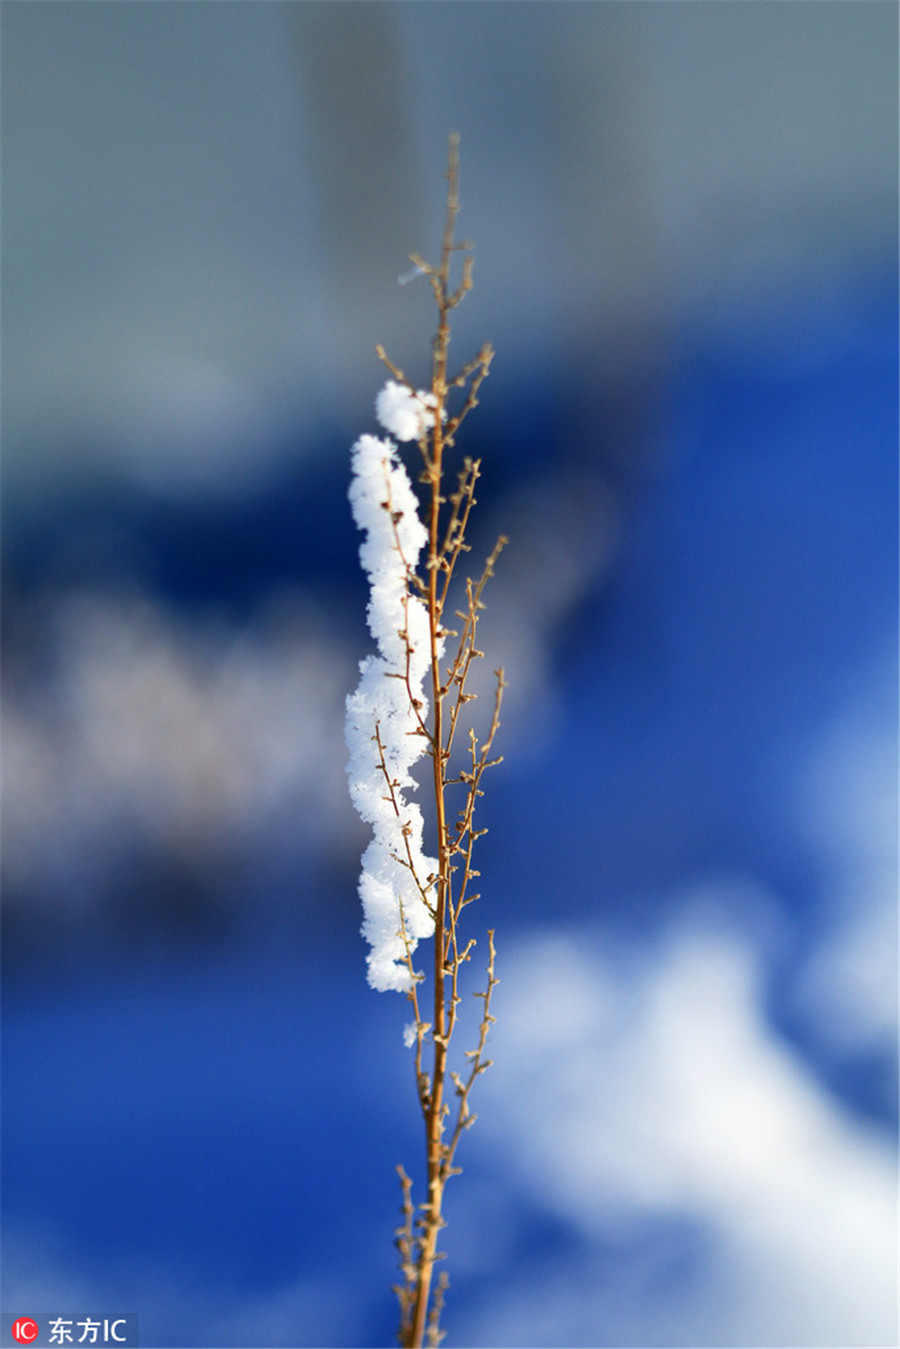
x=405 y=414
x=386 y=714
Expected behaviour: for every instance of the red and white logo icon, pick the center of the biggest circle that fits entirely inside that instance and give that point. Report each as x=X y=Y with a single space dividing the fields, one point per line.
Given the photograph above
x=25 y=1330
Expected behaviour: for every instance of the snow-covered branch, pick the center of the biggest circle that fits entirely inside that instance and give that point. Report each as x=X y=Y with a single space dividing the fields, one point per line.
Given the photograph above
x=385 y=726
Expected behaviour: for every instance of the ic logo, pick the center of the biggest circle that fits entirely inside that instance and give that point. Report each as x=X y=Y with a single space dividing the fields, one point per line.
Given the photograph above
x=25 y=1330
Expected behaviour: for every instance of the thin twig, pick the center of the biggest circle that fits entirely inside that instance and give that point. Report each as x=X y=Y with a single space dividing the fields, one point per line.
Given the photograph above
x=448 y=892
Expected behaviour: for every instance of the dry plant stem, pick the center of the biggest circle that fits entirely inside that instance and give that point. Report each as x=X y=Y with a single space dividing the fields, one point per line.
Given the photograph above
x=435 y=1111
x=416 y=1239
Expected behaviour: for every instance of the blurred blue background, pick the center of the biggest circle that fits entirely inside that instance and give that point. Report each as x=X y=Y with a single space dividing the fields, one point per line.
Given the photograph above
x=686 y=224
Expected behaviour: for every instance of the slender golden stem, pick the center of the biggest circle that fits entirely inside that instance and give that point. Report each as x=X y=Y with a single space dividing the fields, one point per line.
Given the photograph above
x=435 y=1122
x=420 y=1304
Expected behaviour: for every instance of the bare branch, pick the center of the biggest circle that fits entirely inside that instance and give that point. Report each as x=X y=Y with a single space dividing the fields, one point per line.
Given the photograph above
x=448 y=892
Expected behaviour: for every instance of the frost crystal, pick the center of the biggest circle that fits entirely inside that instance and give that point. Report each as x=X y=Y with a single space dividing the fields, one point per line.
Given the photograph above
x=404 y=414
x=394 y=866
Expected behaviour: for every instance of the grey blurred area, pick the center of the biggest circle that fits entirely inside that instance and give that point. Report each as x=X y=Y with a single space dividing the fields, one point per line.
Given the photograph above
x=206 y=207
